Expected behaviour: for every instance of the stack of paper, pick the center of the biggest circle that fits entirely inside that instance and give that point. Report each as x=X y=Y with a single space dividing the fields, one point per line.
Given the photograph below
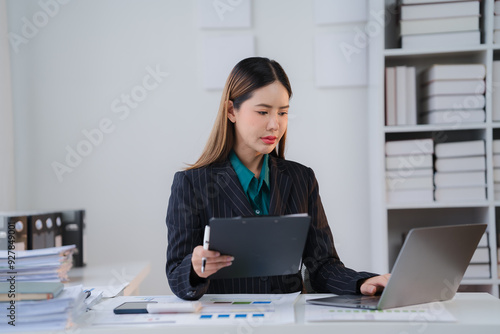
x=479 y=266
x=401 y=96
x=453 y=94
x=409 y=169
x=460 y=171
x=439 y=24
x=40 y=265
x=496 y=25
x=495 y=92
x=59 y=313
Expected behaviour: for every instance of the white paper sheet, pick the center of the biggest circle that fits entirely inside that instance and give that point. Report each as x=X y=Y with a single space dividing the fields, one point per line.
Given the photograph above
x=228 y=309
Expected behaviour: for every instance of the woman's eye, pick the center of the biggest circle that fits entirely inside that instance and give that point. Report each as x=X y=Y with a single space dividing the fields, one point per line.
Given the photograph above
x=283 y=113
x=262 y=112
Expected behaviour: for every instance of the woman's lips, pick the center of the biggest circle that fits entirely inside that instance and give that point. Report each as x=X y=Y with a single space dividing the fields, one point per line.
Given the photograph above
x=269 y=139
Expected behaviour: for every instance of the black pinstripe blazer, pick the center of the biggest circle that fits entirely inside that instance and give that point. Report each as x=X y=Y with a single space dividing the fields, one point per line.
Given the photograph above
x=215 y=191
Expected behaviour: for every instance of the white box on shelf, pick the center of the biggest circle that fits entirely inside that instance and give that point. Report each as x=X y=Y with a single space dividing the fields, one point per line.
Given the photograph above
x=460 y=179
x=429 y=26
x=460 y=194
x=390 y=96
x=453 y=102
x=408 y=162
x=409 y=172
x=481 y=255
x=456 y=117
x=410 y=196
x=496 y=146
x=409 y=147
x=401 y=95
x=468 y=164
x=459 y=149
x=439 y=10
x=441 y=40
x=477 y=271
x=496 y=175
x=411 y=96
x=496 y=160
x=454 y=72
x=454 y=87
x=404 y=183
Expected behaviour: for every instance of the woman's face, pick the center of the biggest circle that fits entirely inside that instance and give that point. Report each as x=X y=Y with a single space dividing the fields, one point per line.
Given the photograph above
x=261 y=121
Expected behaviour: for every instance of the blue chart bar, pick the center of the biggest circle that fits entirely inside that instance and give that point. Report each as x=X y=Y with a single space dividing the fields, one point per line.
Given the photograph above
x=240 y=316
x=223 y=316
x=258 y=315
x=206 y=316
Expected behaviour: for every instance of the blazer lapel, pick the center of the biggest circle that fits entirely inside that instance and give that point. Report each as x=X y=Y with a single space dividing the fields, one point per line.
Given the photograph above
x=231 y=191
x=280 y=188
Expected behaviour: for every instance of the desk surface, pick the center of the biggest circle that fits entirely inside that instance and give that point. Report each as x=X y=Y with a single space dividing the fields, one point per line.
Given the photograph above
x=475 y=312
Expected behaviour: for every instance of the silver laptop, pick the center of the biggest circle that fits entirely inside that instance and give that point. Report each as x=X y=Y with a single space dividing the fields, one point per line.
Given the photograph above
x=429 y=268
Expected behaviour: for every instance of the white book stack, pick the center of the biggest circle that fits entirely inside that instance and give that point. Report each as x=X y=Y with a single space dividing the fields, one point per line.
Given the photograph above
x=479 y=266
x=496 y=24
x=496 y=91
x=460 y=171
x=438 y=24
x=401 y=95
x=409 y=171
x=496 y=168
x=453 y=94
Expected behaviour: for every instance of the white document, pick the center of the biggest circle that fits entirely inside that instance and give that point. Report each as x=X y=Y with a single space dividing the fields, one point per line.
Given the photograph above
x=339 y=11
x=230 y=309
x=221 y=53
x=340 y=60
x=224 y=14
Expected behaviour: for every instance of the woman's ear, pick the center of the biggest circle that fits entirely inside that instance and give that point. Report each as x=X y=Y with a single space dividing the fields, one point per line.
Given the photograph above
x=230 y=111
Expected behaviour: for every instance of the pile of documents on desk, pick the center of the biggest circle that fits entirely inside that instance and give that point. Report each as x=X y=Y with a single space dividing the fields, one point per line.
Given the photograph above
x=59 y=313
x=38 y=265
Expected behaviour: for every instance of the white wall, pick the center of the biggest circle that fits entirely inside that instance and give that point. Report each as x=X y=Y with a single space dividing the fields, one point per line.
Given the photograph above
x=7 y=179
x=66 y=77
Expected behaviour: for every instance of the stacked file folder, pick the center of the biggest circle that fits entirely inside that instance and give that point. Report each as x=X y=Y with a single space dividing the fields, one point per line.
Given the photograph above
x=55 y=314
x=438 y=24
x=409 y=170
x=479 y=266
x=453 y=94
x=460 y=171
x=40 y=265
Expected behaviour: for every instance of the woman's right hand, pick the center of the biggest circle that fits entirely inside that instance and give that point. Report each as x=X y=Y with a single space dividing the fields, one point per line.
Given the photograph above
x=215 y=261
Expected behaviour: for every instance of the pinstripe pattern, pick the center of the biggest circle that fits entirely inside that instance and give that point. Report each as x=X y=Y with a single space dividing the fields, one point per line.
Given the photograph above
x=215 y=191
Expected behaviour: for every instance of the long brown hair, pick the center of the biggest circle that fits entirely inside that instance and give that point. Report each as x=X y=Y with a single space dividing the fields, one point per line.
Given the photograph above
x=247 y=76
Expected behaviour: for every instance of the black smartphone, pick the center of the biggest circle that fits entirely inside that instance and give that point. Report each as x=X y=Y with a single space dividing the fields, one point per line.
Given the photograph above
x=132 y=308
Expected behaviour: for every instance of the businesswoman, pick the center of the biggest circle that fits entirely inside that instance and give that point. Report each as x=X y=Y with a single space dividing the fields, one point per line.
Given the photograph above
x=243 y=172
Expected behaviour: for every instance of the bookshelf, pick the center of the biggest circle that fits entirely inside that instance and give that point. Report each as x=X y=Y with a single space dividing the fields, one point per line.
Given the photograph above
x=391 y=221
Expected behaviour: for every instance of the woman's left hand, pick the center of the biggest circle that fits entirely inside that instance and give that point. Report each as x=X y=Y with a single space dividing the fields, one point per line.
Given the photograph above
x=374 y=284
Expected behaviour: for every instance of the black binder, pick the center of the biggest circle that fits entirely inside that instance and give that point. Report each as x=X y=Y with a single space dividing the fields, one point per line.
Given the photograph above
x=73 y=222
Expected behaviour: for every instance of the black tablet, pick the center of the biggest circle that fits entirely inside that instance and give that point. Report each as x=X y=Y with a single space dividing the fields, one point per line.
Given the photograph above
x=260 y=245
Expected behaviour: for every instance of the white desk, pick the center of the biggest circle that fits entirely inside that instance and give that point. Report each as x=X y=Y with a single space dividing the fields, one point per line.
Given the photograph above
x=477 y=313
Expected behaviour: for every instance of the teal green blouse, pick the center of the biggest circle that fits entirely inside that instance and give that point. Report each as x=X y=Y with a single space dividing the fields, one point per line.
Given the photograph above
x=257 y=190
